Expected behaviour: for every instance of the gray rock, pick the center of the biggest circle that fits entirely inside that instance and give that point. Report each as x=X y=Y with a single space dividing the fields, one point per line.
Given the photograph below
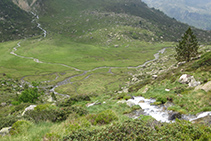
x=136 y=113
x=174 y=115
x=188 y=79
x=193 y=83
x=130 y=103
x=154 y=76
x=3 y=104
x=206 y=87
x=185 y=79
x=5 y=131
x=31 y=107
x=204 y=120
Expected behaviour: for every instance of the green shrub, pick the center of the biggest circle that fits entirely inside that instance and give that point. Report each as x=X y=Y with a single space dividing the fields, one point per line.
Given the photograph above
x=42 y=107
x=78 y=123
x=52 y=136
x=72 y=100
x=20 y=127
x=144 y=130
x=8 y=121
x=54 y=115
x=30 y=94
x=205 y=60
x=105 y=117
x=161 y=99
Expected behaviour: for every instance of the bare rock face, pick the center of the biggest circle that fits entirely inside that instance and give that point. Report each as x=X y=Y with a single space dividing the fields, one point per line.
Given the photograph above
x=206 y=87
x=24 y=4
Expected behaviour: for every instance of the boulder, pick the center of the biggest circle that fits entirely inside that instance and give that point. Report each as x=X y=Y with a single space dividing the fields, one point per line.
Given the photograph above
x=154 y=76
x=174 y=115
x=3 y=104
x=206 y=87
x=31 y=107
x=193 y=83
x=145 y=90
x=130 y=103
x=5 y=131
x=204 y=120
x=188 y=79
x=185 y=79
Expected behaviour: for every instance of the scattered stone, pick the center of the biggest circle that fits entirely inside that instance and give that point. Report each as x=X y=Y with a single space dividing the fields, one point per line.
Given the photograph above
x=193 y=83
x=5 y=131
x=141 y=101
x=121 y=101
x=154 y=76
x=205 y=120
x=185 y=79
x=145 y=90
x=136 y=113
x=174 y=115
x=206 y=87
x=188 y=79
x=167 y=90
x=3 y=104
x=130 y=103
x=181 y=63
x=92 y=104
x=31 y=107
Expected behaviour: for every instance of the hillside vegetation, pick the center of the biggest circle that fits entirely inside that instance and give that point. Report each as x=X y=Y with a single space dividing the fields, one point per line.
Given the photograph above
x=76 y=82
x=194 y=12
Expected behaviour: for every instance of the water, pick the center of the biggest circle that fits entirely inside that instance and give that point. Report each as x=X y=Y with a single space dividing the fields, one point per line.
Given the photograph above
x=159 y=112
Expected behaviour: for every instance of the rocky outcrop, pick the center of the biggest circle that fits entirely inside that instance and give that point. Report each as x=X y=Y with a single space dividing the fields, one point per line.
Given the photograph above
x=31 y=107
x=188 y=79
x=5 y=131
x=206 y=87
x=174 y=115
x=24 y=4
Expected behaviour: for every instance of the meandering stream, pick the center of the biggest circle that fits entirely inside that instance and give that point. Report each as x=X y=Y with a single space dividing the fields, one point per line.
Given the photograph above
x=157 y=112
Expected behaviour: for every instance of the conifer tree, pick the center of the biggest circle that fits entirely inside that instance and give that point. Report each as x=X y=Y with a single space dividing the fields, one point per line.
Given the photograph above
x=187 y=47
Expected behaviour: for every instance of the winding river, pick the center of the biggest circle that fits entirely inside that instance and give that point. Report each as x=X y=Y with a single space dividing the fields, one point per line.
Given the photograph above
x=157 y=112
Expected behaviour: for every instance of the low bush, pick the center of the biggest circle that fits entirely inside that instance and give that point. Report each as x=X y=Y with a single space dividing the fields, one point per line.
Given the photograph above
x=20 y=126
x=144 y=130
x=104 y=117
x=205 y=60
x=54 y=115
x=72 y=100
x=8 y=121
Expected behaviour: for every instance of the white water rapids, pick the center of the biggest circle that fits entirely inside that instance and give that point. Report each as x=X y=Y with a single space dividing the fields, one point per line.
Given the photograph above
x=159 y=112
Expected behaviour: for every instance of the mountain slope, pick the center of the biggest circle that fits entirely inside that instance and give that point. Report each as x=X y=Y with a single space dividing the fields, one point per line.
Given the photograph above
x=14 y=22
x=85 y=17
x=196 y=13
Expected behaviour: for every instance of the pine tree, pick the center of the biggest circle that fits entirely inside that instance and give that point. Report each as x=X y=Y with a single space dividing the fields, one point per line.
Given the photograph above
x=187 y=47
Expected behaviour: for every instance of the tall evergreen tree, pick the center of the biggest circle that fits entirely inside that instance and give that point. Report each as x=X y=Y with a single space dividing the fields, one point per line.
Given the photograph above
x=187 y=47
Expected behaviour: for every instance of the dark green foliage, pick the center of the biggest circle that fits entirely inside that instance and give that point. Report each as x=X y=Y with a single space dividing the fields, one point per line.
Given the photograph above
x=146 y=131
x=205 y=61
x=8 y=121
x=161 y=99
x=105 y=117
x=74 y=99
x=30 y=94
x=15 y=23
x=54 y=115
x=187 y=47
